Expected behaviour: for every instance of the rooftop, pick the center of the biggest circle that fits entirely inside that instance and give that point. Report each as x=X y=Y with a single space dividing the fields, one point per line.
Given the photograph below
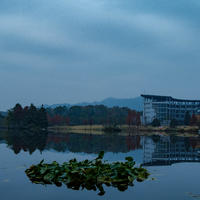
x=167 y=98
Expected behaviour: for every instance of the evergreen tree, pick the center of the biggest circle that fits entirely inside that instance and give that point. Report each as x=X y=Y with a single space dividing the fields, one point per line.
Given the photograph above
x=15 y=116
x=1 y=119
x=173 y=123
x=155 y=122
x=27 y=117
x=187 y=118
x=42 y=118
x=32 y=116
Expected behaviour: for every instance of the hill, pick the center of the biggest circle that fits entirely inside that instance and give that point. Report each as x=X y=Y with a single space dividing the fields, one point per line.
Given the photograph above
x=3 y=113
x=133 y=103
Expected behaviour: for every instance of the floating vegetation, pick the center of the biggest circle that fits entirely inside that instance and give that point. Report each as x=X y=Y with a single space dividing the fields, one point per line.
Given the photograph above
x=90 y=175
x=195 y=196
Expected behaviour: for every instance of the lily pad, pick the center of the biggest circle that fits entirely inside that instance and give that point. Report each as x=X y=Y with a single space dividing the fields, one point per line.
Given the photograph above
x=90 y=175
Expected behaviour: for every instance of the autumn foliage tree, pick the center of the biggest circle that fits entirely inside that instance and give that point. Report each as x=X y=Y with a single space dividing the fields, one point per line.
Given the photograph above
x=193 y=120
x=138 y=119
x=133 y=118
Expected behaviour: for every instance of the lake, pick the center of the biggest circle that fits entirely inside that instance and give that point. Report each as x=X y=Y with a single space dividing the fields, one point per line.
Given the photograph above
x=173 y=161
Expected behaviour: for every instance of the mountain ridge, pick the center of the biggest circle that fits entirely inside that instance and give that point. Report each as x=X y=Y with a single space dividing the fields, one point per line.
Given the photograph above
x=132 y=103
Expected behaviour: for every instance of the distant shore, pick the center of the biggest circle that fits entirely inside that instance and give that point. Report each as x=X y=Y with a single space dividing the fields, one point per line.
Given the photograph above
x=99 y=129
x=123 y=129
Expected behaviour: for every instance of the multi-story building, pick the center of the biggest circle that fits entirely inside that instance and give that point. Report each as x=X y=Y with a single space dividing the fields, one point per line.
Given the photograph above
x=167 y=108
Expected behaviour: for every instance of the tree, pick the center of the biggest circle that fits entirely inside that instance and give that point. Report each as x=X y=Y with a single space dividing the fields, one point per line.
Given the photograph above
x=27 y=117
x=187 y=118
x=155 y=122
x=131 y=118
x=81 y=115
x=67 y=120
x=15 y=116
x=193 y=120
x=173 y=123
x=2 y=118
x=32 y=117
x=138 y=119
x=91 y=122
x=18 y=114
x=198 y=123
x=42 y=116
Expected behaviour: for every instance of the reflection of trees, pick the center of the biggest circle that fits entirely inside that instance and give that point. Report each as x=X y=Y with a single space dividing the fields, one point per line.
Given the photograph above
x=155 y=138
x=92 y=143
x=26 y=140
x=2 y=136
x=194 y=142
x=133 y=142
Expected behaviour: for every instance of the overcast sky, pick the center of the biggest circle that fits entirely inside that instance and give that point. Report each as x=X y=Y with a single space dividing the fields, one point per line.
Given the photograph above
x=68 y=51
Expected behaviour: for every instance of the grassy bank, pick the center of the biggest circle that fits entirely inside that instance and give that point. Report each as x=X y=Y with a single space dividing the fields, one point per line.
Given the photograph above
x=179 y=129
x=98 y=129
x=87 y=129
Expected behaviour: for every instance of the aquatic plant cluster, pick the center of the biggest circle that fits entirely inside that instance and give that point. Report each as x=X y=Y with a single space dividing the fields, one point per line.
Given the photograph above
x=90 y=175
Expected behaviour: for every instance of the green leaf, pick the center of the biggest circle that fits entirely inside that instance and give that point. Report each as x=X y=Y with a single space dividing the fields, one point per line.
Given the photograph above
x=101 y=155
x=130 y=159
x=90 y=175
x=41 y=161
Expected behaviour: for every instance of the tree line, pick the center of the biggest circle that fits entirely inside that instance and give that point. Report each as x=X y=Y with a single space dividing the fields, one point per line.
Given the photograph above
x=27 y=117
x=89 y=115
x=30 y=141
x=32 y=117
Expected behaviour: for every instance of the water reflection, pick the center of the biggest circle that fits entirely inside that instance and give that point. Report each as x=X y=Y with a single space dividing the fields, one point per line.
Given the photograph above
x=170 y=149
x=27 y=141
x=93 y=143
x=157 y=150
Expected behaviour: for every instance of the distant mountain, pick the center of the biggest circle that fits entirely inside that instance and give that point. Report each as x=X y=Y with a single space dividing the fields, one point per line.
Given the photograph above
x=133 y=103
x=3 y=113
x=56 y=105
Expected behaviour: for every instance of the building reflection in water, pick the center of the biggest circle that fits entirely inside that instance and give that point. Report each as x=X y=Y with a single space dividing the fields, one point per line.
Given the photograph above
x=166 y=150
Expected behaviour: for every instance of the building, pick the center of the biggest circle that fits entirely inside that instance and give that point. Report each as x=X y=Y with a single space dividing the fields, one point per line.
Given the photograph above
x=167 y=108
x=198 y=117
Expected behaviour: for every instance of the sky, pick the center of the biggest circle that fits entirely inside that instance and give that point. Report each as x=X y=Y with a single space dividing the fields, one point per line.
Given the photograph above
x=69 y=51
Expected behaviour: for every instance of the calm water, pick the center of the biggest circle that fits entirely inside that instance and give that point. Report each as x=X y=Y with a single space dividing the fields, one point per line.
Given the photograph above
x=174 y=162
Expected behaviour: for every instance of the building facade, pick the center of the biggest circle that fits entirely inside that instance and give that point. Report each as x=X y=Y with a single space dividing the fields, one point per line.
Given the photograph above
x=167 y=108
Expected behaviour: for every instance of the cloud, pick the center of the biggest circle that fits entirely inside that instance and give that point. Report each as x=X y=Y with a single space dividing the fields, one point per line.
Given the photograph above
x=93 y=46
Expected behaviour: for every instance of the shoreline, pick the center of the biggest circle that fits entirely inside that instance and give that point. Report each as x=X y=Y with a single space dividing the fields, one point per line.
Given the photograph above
x=98 y=129
x=120 y=130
